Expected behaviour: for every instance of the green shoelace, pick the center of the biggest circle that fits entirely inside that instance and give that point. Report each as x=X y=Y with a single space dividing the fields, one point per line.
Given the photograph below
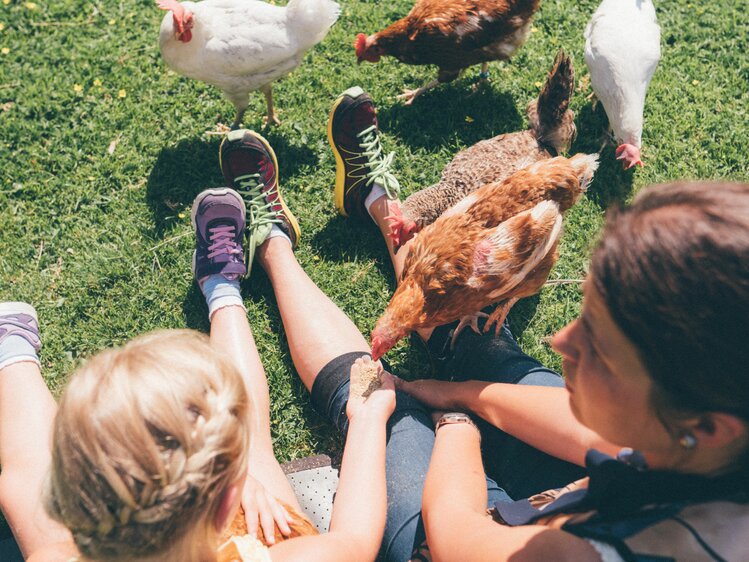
x=379 y=164
x=260 y=215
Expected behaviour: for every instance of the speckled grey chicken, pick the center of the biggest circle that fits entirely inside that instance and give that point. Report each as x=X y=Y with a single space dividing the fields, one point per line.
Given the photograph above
x=552 y=130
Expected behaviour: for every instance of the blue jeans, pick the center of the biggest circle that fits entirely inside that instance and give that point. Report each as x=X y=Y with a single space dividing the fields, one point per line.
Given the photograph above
x=514 y=470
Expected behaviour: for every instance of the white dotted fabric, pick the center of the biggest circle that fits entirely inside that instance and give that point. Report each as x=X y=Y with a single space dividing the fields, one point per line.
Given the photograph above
x=315 y=488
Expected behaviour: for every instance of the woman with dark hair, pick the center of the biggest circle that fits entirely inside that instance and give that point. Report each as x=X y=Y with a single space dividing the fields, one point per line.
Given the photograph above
x=658 y=362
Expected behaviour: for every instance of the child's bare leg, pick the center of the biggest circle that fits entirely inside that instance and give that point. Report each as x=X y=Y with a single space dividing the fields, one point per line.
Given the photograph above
x=219 y=218
x=231 y=335
x=27 y=411
x=316 y=329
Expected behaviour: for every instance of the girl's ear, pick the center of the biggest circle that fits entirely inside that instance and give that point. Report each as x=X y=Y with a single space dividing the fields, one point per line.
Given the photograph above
x=718 y=429
x=229 y=502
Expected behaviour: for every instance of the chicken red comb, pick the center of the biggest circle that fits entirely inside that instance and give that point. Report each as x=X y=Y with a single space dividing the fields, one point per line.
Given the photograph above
x=171 y=6
x=360 y=44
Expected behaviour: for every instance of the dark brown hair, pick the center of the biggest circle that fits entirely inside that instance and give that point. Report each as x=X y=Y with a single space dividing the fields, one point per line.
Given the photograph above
x=673 y=269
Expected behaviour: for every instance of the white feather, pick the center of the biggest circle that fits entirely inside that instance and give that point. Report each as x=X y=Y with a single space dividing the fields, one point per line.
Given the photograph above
x=622 y=50
x=242 y=45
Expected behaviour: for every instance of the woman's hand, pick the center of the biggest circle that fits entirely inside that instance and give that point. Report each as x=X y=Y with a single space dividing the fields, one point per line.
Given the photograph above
x=263 y=510
x=436 y=394
x=380 y=404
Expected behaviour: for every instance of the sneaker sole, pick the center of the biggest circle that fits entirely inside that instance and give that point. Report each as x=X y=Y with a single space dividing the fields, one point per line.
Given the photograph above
x=18 y=308
x=238 y=134
x=194 y=211
x=340 y=169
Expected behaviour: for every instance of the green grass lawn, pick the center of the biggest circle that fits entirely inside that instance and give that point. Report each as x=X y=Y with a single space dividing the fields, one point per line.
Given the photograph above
x=103 y=150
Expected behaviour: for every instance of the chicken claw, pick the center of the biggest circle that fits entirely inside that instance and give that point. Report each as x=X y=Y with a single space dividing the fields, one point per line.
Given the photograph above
x=410 y=95
x=271 y=120
x=499 y=315
x=471 y=320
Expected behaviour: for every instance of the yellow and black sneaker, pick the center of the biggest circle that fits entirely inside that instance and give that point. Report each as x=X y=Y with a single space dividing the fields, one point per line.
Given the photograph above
x=250 y=167
x=360 y=163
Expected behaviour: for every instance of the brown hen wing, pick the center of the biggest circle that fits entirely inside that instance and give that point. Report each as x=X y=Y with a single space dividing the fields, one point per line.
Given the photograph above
x=486 y=266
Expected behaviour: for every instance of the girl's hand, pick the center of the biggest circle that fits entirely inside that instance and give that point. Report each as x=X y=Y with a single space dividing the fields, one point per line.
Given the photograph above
x=436 y=394
x=380 y=404
x=263 y=510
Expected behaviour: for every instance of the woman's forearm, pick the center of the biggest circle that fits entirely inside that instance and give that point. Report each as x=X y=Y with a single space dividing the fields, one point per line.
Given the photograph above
x=361 y=499
x=539 y=416
x=455 y=493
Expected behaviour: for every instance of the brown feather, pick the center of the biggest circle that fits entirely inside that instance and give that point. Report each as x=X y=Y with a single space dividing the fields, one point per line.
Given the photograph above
x=441 y=260
x=455 y=35
x=495 y=159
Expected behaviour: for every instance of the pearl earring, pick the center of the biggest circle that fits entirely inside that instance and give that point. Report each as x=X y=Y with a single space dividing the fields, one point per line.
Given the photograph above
x=688 y=441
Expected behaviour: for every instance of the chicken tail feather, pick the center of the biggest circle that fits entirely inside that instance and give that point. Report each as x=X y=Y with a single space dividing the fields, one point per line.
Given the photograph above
x=554 y=98
x=585 y=166
x=547 y=113
x=312 y=19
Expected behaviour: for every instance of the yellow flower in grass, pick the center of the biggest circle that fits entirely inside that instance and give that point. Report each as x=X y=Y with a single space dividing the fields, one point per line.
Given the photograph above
x=30 y=5
x=97 y=83
x=2 y=26
x=77 y=88
x=5 y=50
x=122 y=94
x=112 y=22
x=6 y=2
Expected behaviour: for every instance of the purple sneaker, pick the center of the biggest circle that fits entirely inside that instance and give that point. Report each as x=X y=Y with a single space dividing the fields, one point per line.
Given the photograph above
x=218 y=217
x=19 y=319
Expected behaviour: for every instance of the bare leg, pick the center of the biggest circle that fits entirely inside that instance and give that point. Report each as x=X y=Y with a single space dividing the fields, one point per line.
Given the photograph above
x=316 y=329
x=27 y=411
x=231 y=335
x=272 y=116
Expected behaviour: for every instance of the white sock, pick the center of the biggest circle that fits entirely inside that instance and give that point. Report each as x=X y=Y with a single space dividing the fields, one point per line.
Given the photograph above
x=278 y=231
x=221 y=292
x=15 y=349
x=374 y=195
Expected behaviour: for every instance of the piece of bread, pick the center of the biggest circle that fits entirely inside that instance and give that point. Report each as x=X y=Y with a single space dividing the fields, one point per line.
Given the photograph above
x=366 y=377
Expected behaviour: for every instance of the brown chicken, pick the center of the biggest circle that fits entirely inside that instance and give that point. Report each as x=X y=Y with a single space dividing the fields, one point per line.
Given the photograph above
x=495 y=246
x=552 y=130
x=452 y=35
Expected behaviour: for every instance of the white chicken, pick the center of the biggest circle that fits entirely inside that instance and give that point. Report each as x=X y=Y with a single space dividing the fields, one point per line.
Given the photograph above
x=241 y=46
x=622 y=50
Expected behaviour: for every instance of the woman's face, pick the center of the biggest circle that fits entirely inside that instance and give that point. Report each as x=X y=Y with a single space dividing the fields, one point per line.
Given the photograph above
x=609 y=388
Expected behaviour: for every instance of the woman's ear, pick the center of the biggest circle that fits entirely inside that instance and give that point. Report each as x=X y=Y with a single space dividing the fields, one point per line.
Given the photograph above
x=718 y=429
x=227 y=507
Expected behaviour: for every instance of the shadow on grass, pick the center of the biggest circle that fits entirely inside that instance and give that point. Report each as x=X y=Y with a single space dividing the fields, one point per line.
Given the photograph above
x=612 y=184
x=343 y=239
x=451 y=111
x=184 y=170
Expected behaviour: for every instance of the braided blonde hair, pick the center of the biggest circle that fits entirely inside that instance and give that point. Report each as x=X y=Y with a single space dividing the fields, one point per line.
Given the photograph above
x=146 y=441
